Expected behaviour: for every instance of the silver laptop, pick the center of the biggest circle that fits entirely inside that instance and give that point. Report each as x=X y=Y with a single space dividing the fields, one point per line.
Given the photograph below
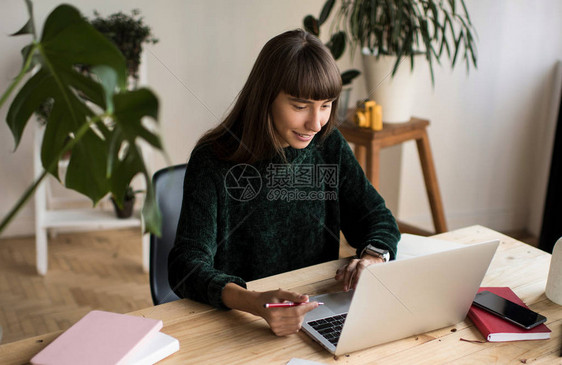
x=401 y=298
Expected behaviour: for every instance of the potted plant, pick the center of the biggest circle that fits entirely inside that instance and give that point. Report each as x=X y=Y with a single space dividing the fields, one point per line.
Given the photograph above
x=128 y=33
x=336 y=45
x=94 y=116
x=390 y=32
x=124 y=208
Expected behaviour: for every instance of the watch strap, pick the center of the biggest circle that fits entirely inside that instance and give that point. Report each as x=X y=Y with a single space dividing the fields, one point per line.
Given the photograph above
x=376 y=252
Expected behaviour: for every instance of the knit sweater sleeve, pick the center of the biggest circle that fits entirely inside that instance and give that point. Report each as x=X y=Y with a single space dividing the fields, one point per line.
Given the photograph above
x=365 y=219
x=191 y=271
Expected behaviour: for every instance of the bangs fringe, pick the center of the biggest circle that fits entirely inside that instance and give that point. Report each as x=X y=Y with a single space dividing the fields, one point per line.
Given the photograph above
x=311 y=76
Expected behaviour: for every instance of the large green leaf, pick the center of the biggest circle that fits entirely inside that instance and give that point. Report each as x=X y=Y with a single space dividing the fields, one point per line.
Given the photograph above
x=126 y=159
x=87 y=167
x=67 y=40
x=93 y=116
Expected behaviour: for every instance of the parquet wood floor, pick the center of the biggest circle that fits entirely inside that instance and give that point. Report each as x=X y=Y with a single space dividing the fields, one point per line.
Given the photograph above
x=87 y=270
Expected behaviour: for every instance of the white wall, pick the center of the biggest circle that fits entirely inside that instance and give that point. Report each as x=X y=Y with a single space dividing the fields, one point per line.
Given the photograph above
x=15 y=168
x=482 y=125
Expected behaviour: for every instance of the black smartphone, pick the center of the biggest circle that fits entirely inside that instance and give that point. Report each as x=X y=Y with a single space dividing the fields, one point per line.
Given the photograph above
x=508 y=310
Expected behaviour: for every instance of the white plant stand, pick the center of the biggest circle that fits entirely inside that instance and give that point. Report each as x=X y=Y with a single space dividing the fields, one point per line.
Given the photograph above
x=74 y=219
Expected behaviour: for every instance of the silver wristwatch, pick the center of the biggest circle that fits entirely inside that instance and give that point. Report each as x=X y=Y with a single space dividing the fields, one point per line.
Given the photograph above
x=377 y=252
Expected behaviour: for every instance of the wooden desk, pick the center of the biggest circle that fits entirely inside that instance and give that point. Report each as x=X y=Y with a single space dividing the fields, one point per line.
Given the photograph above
x=368 y=144
x=209 y=336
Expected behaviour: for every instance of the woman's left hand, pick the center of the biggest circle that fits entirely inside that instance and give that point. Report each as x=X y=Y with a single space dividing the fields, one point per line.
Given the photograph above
x=350 y=273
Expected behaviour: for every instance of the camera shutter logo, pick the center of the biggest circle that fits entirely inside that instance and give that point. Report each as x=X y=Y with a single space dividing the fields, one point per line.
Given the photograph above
x=243 y=182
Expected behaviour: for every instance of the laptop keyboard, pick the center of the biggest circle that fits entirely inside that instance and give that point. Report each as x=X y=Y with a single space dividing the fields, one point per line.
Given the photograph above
x=329 y=327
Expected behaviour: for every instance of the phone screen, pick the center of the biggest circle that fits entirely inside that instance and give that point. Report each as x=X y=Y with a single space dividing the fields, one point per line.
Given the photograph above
x=506 y=309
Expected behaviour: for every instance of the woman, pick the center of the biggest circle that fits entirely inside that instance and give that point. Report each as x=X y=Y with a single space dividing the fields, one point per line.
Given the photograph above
x=268 y=190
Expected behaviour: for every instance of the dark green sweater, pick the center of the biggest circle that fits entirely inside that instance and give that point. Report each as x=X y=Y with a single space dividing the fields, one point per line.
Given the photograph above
x=240 y=222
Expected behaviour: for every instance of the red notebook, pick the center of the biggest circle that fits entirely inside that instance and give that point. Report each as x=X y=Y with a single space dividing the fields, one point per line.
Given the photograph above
x=496 y=329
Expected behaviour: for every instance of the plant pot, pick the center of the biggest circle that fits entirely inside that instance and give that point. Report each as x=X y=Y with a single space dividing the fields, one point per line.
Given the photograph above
x=343 y=103
x=126 y=211
x=394 y=94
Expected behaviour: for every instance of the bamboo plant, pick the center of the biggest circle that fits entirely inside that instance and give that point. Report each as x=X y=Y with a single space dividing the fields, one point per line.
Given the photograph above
x=94 y=116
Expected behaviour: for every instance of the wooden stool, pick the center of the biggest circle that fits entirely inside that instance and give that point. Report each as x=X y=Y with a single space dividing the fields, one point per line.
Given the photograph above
x=368 y=144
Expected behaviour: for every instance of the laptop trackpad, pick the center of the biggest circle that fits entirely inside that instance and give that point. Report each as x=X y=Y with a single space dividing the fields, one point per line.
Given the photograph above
x=334 y=303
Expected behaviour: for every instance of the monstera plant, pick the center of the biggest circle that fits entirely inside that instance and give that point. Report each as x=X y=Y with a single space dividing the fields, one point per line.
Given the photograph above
x=93 y=115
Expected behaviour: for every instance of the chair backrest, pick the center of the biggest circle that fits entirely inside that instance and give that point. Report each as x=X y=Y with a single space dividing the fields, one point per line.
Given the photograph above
x=168 y=188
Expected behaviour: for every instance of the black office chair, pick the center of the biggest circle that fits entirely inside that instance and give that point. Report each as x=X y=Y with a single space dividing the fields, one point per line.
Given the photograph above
x=168 y=188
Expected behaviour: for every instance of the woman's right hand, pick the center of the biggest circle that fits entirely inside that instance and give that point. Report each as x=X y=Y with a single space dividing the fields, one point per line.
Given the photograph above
x=283 y=321
x=288 y=320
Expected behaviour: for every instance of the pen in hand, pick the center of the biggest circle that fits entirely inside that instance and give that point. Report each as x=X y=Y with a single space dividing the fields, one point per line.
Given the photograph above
x=285 y=305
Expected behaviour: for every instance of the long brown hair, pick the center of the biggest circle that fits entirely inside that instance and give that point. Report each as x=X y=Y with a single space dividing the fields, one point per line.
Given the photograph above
x=295 y=62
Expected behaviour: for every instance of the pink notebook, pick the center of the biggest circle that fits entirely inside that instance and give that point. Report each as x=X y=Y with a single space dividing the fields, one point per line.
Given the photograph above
x=99 y=338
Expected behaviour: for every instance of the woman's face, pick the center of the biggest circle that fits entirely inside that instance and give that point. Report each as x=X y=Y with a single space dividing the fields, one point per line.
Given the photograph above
x=297 y=120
